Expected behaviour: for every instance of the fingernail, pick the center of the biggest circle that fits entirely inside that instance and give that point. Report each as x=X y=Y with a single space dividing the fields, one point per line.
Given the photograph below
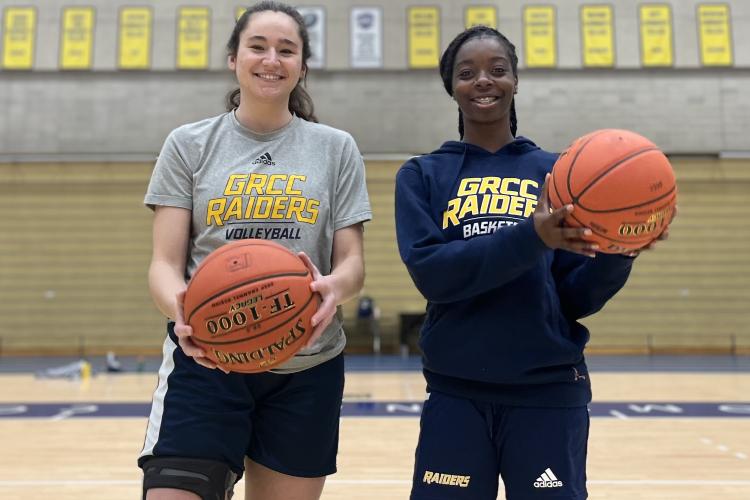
x=587 y=232
x=594 y=246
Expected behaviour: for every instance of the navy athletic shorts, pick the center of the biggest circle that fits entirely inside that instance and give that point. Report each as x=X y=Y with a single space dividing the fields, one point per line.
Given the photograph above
x=465 y=445
x=288 y=423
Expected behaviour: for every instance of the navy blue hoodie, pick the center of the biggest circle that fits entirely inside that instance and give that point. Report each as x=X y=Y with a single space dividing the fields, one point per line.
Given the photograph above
x=502 y=308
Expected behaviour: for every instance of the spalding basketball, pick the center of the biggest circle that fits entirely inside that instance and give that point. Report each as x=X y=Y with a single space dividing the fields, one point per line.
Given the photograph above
x=621 y=185
x=249 y=303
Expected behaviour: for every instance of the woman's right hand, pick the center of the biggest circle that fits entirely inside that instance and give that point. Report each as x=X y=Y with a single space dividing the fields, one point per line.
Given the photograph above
x=184 y=332
x=549 y=225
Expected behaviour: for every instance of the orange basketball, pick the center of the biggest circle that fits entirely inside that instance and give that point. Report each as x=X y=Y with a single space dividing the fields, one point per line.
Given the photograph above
x=250 y=305
x=621 y=185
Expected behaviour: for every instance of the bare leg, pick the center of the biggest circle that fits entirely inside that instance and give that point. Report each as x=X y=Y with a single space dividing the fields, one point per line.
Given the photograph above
x=262 y=483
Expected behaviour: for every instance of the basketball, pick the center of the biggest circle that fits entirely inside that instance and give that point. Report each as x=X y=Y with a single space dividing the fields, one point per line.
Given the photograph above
x=250 y=305
x=622 y=186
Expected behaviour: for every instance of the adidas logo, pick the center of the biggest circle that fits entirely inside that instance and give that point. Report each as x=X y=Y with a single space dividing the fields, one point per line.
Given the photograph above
x=265 y=159
x=547 y=480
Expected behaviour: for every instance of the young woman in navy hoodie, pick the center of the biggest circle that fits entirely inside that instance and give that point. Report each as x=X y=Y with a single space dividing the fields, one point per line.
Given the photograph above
x=505 y=283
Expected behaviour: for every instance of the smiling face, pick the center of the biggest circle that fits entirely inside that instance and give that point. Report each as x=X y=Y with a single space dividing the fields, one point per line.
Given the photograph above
x=483 y=81
x=268 y=63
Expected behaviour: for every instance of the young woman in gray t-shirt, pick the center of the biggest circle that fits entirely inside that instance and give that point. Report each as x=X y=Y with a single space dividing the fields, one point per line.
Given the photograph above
x=265 y=169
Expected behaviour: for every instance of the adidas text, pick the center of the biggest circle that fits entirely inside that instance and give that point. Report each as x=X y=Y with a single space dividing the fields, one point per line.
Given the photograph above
x=548 y=480
x=547 y=484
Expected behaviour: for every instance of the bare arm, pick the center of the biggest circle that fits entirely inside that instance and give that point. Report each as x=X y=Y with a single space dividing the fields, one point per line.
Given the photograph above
x=348 y=269
x=166 y=275
x=346 y=279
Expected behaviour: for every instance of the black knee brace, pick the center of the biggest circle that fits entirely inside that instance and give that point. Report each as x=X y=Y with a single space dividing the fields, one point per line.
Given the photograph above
x=209 y=479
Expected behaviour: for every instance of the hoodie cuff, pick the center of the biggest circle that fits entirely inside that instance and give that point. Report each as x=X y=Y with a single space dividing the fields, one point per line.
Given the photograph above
x=530 y=237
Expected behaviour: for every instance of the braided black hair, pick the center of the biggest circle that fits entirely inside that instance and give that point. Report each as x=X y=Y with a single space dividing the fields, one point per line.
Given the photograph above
x=448 y=61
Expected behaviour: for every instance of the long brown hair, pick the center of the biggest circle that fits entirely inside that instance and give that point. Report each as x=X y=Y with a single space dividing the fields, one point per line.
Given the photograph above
x=300 y=102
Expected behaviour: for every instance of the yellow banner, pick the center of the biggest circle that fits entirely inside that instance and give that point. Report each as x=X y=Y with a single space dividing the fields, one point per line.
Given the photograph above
x=424 y=37
x=598 y=36
x=192 y=37
x=540 y=38
x=483 y=15
x=77 y=37
x=715 y=35
x=135 y=38
x=656 y=35
x=19 y=29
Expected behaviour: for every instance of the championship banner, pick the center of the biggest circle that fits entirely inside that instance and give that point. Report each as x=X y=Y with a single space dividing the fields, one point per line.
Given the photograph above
x=19 y=29
x=77 y=38
x=597 y=33
x=656 y=35
x=135 y=38
x=193 y=31
x=366 y=28
x=424 y=37
x=715 y=32
x=315 y=21
x=484 y=15
x=540 y=37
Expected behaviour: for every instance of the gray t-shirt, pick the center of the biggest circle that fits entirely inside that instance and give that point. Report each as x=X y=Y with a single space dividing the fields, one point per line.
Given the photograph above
x=295 y=186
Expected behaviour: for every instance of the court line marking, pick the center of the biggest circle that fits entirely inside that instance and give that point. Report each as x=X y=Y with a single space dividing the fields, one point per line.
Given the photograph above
x=671 y=482
x=74 y=410
x=724 y=448
x=607 y=482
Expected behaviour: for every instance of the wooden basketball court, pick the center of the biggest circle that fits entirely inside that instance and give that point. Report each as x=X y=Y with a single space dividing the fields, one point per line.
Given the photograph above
x=647 y=448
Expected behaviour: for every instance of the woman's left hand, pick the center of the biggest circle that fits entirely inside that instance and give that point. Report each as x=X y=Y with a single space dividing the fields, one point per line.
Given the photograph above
x=327 y=309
